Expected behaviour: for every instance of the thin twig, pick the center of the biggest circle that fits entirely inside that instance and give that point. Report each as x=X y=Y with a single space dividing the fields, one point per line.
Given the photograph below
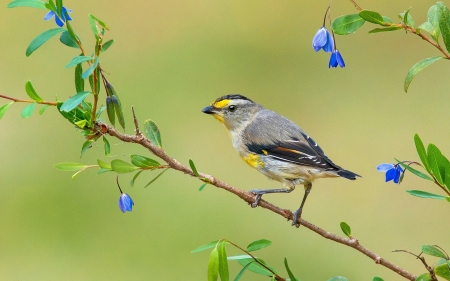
x=422 y=259
x=29 y=101
x=250 y=198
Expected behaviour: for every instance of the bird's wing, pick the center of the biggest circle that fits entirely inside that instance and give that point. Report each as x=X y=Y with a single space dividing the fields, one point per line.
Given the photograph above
x=281 y=139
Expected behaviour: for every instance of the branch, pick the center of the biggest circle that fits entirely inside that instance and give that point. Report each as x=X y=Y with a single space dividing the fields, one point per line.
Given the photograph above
x=29 y=101
x=248 y=197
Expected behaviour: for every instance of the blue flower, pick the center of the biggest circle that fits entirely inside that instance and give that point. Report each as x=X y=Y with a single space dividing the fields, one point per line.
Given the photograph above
x=125 y=203
x=393 y=172
x=59 y=22
x=323 y=40
x=336 y=59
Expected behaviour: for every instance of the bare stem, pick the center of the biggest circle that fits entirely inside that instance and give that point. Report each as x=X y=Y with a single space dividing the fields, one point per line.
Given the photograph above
x=29 y=101
x=249 y=197
x=356 y=5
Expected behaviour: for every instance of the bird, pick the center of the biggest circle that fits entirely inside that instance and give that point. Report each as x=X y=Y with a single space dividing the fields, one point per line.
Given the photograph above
x=275 y=146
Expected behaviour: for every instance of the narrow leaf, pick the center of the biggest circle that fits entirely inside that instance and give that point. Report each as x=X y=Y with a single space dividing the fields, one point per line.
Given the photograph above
x=67 y=40
x=79 y=81
x=74 y=101
x=106 y=146
x=27 y=3
x=424 y=277
x=119 y=112
x=213 y=265
x=101 y=23
x=291 y=275
x=223 y=262
x=338 y=278
x=135 y=177
x=242 y=271
x=69 y=166
x=105 y=46
x=102 y=171
x=90 y=69
x=239 y=257
x=43 y=108
x=111 y=110
x=28 y=110
x=417 y=68
x=391 y=28
x=201 y=187
x=77 y=173
x=258 y=244
x=347 y=24
x=423 y=194
x=194 y=170
x=100 y=111
x=346 y=229
x=81 y=123
x=86 y=145
x=422 y=153
x=31 y=92
x=122 y=167
x=78 y=60
x=434 y=158
x=103 y=165
x=151 y=131
x=433 y=18
x=210 y=245
x=387 y=19
x=444 y=24
x=414 y=171
x=408 y=19
x=376 y=278
x=372 y=17
x=428 y=27
x=157 y=177
x=433 y=251
x=143 y=162
x=41 y=39
x=255 y=267
x=4 y=108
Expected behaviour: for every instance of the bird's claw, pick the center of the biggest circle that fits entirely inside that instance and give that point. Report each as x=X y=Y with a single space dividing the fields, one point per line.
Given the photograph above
x=257 y=198
x=297 y=214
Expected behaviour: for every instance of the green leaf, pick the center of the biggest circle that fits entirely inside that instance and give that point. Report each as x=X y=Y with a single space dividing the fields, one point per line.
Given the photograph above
x=444 y=24
x=242 y=271
x=122 y=167
x=443 y=270
x=422 y=153
x=433 y=251
x=41 y=39
x=100 y=111
x=223 y=262
x=102 y=171
x=77 y=173
x=74 y=115
x=28 y=110
x=428 y=27
x=291 y=276
x=143 y=162
x=347 y=24
x=74 y=101
x=106 y=45
x=78 y=60
x=111 y=110
x=119 y=112
x=391 y=28
x=434 y=158
x=27 y=3
x=255 y=267
x=205 y=247
x=433 y=19
x=69 y=166
x=258 y=244
x=346 y=229
x=372 y=17
x=338 y=278
x=239 y=257
x=106 y=146
x=4 y=108
x=81 y=123
x=103 y=165
x=90 y=69
x=151 y=131
x=135 y=177
x=414 y=171
x=417 y=68
x=157 y=177
x=31 y=92
x=423 y=194
x=79 y=81
x=424 y=277
x=213 y=265
x=194 y=170
x=59 y=6
x=387 y=19
x=408 y=19
x=201 y=187
x=86 y=145
x=101 y=23
x=376 y=278
x=67 y=40
x=43 y=108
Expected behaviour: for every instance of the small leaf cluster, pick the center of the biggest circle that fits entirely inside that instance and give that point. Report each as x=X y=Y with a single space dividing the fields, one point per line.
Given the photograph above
x=441 y=268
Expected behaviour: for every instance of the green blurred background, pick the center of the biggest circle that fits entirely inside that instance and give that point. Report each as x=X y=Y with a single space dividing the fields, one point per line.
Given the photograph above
x=171 y=58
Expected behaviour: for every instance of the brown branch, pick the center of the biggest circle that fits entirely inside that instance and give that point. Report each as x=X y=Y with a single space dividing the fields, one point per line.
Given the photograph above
x=356 y=5
x=249 y=197
x=28 y=101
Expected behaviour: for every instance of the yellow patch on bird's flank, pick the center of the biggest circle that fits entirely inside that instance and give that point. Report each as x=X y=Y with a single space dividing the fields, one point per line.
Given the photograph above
x=265 y=152
x=253 y=160
x=219 y=118
x=221 y=104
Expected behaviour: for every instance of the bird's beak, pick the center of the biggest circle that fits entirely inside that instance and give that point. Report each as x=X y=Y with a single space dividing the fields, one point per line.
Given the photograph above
x=209 y=110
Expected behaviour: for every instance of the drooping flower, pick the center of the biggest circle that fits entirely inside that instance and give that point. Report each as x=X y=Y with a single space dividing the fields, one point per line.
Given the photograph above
x=336 y=59
x=125 y=203
x=59 y=21
x=323 y=40
x=393 y=172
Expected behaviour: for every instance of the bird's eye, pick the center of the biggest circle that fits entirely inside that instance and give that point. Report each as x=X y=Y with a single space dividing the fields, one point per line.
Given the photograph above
x=232 y=108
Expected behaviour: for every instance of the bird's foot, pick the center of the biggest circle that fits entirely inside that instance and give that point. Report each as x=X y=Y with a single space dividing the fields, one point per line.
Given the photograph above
x=297 y=215
x=259 y=194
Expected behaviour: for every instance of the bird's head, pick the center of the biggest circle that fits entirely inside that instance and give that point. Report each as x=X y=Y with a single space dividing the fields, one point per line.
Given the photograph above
x=233 y=110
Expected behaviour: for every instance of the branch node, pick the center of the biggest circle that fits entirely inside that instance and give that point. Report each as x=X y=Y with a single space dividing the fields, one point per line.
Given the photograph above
x=378 y=260
x=138 y=132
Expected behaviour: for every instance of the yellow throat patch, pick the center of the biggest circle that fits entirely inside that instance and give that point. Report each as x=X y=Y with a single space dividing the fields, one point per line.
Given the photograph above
x=253 y=160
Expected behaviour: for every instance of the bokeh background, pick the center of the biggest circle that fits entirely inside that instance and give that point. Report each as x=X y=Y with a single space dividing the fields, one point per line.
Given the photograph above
x=170 y=59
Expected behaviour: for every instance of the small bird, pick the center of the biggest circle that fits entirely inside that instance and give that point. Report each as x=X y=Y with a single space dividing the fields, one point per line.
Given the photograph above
x=275 y=146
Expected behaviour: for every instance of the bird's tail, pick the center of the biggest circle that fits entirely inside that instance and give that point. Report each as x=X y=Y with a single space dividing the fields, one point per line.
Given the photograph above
x=348 y=175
